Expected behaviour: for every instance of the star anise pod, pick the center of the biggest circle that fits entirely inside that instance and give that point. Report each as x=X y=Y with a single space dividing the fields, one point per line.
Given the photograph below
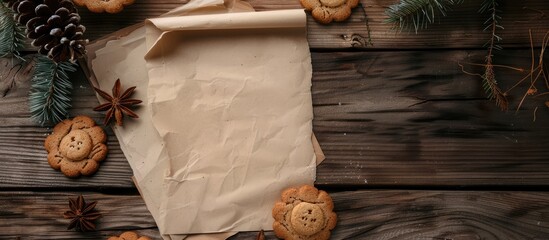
x=118 y=104
x=82 y=214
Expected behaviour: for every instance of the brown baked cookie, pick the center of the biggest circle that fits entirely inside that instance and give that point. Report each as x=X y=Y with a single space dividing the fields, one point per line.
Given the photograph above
x=128 y=236
x=76 y=146
x=304 y=213
x=99 y=6
x=326 y=11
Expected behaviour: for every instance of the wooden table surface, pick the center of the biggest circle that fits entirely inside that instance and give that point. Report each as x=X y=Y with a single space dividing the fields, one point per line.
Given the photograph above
x=414 y=148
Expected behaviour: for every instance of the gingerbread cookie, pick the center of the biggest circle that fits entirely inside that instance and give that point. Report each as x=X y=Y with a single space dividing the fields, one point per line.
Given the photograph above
x=304 y=213
x=99 y=6
x=128 y=236
x=325 y=11
x=76 y=146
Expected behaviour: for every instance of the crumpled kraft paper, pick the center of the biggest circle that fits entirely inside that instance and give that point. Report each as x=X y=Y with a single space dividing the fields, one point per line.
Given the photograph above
x=120 y=55
x=231 y=98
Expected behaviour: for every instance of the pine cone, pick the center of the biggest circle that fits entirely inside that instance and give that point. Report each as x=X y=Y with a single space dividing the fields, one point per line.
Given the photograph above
x=54 y=26
x=24 y=9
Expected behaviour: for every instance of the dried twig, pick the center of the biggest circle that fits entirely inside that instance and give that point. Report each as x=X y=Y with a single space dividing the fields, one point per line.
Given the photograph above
x=490 y=84
x=261 y=235
x=536 y=71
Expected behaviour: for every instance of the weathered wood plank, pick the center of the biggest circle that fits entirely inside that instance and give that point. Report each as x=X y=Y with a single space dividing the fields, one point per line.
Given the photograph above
x=463 y=28
x=32 y=215
x=382 y=118
x=376 y=215
x=21 y=142
x=413 y=118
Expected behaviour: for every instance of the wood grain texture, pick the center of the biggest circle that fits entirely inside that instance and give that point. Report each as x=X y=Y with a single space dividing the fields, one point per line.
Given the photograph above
x=382 y=118
x=32 y=215
x=462 y=28
x=22 y=152
x=413 y=118
x=361 y=215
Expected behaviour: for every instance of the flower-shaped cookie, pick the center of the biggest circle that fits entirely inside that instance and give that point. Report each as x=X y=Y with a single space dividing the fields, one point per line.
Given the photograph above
x=76 y=146
x=304 y=213
x=324 y=11
x=99 y=6
x=129 y=236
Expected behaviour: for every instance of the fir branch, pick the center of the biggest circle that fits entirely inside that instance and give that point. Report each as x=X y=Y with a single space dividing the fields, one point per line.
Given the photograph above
x=50 y=99
x=417 y=14
x=12 y=34
x=489 y=77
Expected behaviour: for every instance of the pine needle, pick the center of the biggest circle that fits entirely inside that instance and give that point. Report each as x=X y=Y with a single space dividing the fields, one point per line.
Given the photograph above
x=535 y=71
x=50 y=99
x=417 y=14
x=12 y=34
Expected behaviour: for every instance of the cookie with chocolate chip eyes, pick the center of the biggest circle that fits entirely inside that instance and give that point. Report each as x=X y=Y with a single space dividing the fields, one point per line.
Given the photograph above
x=304 y=213
x=76 y=146
x=326 y=11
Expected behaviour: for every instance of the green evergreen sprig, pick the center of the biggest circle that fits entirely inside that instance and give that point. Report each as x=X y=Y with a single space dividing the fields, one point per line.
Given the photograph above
x=417 y=14
x=12 y=34
x=50 y=96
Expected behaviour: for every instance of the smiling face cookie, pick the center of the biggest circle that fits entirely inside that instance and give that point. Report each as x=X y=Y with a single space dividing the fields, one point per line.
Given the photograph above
x=304 y=213
x=307 y=218
x=326 y=11
x=76 y=147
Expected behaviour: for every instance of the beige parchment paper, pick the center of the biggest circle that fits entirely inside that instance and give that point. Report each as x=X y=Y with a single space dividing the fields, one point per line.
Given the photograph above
x=121 y=55
x=230 y=97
